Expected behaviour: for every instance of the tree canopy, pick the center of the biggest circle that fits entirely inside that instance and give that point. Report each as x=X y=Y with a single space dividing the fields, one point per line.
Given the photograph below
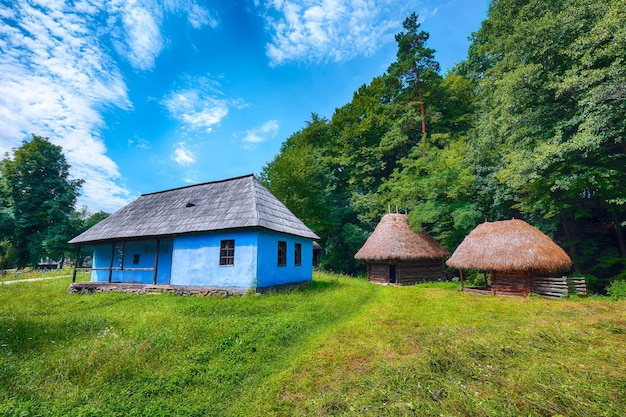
x=38 y=199
x=531 y=125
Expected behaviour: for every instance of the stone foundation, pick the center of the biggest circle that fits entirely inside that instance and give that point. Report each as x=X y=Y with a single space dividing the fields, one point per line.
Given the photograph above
x=90 y=287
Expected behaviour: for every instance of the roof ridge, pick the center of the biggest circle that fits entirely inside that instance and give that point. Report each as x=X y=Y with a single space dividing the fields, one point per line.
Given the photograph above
x=255 y=202
x=199 y=184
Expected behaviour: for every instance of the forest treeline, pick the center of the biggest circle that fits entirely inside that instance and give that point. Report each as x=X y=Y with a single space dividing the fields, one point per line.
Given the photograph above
x=531 y=125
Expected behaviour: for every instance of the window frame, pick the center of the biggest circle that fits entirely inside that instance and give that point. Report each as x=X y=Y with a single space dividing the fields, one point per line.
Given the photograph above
x=227 y=253
x=297 y=254
x=282 y=253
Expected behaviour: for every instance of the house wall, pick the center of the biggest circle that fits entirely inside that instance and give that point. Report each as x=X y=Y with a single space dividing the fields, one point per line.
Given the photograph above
x=196 y=260
x=146 y=250
x=269 y=273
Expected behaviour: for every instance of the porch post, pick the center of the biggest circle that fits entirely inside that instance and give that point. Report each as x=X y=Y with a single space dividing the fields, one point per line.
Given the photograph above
x=76 y=262
x=123 y=254
x=156 y=261
x=111 y=263
x=462 y=280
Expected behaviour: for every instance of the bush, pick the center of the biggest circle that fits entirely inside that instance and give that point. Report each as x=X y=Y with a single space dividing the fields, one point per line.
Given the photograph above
x=617 y=289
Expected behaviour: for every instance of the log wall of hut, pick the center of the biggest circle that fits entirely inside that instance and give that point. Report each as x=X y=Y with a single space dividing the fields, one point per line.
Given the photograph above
x=378 y=273
x=511 y=283
x=407 y=273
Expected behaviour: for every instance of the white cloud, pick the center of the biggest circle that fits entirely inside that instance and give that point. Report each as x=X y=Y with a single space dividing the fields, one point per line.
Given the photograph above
x=57 y=75
x=199 y=16
x=142 y=35
x=139 y=143
x=136 y=26
x=330 y=30
x=198 y=105
x=182 y=155
x=53 y=78
x=262 y=133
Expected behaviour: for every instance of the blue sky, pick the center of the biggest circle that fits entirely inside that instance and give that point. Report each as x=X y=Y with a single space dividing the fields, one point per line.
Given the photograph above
x=150 y=95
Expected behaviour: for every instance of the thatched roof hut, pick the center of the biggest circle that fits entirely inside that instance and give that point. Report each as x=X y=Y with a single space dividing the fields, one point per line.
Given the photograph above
x=395 y=254
x=509 y=245
x=513 y=251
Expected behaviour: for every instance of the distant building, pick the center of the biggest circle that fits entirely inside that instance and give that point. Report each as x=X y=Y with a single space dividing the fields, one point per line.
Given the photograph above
x=229 y=234
x=517 y=255
x=395 y=254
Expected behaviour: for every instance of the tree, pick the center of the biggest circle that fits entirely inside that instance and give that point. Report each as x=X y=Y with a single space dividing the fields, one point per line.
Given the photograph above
x=550 y=133
x=40 y=197
x=415 y=71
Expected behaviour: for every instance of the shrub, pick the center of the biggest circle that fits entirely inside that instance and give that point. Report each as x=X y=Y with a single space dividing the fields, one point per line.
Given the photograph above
x=617 y=289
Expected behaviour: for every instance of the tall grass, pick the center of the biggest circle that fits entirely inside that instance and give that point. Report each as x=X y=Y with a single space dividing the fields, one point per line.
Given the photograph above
x=339 y=347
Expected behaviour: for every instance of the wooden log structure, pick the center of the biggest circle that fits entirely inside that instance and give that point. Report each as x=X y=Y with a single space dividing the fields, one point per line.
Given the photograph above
x=406 y=273
x=560 y=286
x=511 y=284
x=521 y=286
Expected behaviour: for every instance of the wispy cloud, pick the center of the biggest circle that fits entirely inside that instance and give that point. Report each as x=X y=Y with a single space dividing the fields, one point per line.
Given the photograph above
x=198 y=16
x=57 y=74
x=139 y=143
x=182 y=155
x=198 y=104
x=136 y=26
x=137 y=30
x=330 y=30
x=260 y=134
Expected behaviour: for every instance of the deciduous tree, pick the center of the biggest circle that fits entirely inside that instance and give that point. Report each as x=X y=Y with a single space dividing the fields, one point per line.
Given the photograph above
x=40 y=197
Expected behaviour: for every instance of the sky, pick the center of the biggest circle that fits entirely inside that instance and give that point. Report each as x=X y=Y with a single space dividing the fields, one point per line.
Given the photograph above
x=147 y=95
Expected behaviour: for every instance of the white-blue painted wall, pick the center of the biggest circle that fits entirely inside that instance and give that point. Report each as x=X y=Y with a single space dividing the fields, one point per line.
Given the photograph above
x=195 y=260
x=269 y=273
x=146 y=251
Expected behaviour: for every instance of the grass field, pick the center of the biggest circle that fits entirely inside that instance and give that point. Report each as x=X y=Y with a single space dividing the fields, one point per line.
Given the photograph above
x=340 y=347
x=28 y=273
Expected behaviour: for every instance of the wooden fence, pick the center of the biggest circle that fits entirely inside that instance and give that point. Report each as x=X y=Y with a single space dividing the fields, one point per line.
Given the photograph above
x=560 y=286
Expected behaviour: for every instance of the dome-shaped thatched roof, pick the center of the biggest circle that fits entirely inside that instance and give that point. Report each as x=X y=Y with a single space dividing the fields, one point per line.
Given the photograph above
x=507 y=246
x=393 y=240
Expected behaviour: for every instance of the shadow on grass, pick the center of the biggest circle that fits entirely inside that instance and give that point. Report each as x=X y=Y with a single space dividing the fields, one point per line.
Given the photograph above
x=322 y=286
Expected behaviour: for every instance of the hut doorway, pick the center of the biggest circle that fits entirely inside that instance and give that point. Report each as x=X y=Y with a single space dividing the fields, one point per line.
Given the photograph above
x=392 y=274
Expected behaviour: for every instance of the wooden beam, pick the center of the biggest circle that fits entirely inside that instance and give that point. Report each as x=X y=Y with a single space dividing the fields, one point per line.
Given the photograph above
x=123 y=255
x=76 y=263
x=111 y=262
x=156 y=261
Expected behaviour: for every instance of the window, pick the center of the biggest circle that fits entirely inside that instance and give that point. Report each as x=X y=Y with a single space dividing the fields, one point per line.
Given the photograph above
x=227 y=252
x=136 y=259
x=297 y=254
x=282 y=253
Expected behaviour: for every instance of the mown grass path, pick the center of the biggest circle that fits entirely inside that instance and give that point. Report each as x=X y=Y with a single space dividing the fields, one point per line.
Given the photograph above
x=340 y=347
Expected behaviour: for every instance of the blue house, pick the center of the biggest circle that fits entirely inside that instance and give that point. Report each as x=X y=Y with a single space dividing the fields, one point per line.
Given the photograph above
x=231 y=234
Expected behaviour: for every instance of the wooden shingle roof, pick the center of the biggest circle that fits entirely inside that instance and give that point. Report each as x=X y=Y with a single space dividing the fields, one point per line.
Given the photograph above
x=234 y=203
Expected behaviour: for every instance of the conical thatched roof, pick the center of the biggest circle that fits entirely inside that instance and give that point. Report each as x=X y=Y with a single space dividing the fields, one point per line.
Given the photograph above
x=393 y=240
x=508 y=246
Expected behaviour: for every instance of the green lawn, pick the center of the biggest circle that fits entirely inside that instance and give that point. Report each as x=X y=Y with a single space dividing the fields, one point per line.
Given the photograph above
x=340 y=347
x=28 y=273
